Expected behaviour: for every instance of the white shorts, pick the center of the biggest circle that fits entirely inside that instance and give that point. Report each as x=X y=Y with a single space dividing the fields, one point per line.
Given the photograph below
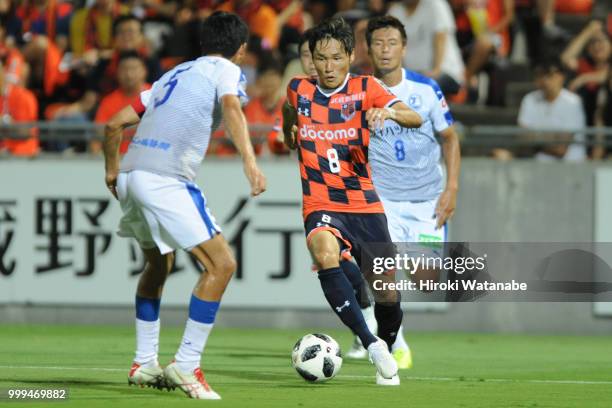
x=414 y=222
x=163 y=211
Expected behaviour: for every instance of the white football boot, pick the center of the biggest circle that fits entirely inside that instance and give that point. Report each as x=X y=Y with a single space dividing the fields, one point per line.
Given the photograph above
x=146 y=376
x=382 y=359
x=193 y=384
x=380 y=380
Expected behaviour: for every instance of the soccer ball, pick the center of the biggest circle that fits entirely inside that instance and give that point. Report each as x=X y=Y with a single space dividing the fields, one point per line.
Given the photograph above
x=316 y=357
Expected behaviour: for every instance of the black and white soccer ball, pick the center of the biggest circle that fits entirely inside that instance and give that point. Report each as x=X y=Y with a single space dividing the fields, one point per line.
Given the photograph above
x=316 y=357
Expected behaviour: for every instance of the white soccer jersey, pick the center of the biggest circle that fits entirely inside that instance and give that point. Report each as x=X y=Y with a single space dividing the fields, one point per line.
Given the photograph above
x=182 y=110
x=406 y=162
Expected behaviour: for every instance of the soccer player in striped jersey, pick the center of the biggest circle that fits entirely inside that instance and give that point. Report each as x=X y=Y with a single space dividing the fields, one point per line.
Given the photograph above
x=329 y=119
x=406 y=162
x=163 y=208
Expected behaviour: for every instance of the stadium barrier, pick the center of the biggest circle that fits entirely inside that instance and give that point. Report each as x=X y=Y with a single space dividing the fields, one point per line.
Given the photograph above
x=472 y=137
x=60 y=259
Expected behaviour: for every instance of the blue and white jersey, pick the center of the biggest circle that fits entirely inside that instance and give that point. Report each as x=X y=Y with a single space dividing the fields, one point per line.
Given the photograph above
x=406 y=162
x=182 y=110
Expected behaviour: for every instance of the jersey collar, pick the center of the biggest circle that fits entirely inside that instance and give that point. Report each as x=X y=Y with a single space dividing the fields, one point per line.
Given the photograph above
x=335 y=91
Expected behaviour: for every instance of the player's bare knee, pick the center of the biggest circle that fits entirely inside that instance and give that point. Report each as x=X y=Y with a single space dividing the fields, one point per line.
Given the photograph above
x=229 y=266
x=326 y=258
x=225 y=267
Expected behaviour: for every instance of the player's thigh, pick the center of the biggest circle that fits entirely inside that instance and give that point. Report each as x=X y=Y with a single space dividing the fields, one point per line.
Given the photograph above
x=324 y=249
x=176 y=211
x=215 y=255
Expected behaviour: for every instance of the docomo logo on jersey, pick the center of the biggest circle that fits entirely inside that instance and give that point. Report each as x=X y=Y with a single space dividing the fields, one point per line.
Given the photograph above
x=311 y=132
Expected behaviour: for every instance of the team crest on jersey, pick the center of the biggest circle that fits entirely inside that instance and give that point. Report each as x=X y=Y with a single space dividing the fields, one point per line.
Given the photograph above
x=415 y=101
x=304 y=107
x=348 y=110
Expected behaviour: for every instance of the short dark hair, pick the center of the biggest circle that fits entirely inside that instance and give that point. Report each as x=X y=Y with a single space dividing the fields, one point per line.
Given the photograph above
x=377 y=23
x=124 y=19
x=335 y=28
x=549 y=66
x=223 y=33
x=128 y=55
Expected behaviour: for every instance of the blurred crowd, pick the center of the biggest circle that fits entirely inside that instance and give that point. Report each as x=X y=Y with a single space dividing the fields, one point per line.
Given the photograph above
x=82 y=61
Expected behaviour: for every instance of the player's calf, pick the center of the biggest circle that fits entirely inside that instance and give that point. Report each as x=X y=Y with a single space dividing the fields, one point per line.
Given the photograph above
x=336 y=287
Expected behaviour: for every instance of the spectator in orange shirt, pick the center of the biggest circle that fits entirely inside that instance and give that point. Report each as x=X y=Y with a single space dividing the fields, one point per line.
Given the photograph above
x=45 y=26
x=266 y=109
x=17 y=104
x=102 y=79
x=131 y=76
x=260 y=17
x=12 y=60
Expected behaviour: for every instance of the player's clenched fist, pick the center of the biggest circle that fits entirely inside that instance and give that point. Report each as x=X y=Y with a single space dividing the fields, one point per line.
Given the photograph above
x=290 y=136
x=376 y=117
x=290 y=129
x=256 y=178
x=111 y=182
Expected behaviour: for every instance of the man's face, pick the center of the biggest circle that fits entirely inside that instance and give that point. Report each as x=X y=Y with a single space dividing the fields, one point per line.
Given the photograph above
x=306 y=61
x=387 y=49
x=550 y=82
x=331 y=62
x=269 y=83
x=129 y=36
x=131 y=74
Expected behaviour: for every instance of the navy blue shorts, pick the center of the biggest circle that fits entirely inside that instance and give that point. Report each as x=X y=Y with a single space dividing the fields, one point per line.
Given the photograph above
x=354 y=232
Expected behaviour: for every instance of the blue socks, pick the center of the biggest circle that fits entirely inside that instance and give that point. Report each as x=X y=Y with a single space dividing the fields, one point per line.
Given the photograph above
x=202 y=311
x=147 y=309
x=340 y=296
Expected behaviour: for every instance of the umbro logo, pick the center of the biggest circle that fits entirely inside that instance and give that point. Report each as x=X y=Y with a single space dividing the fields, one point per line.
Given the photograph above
x=346 y=304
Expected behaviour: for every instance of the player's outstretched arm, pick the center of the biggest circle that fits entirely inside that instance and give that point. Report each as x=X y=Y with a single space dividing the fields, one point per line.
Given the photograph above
x=452 y=158
x=113 y=132
x=236 y=125
x=399 y=112
x=290 y=128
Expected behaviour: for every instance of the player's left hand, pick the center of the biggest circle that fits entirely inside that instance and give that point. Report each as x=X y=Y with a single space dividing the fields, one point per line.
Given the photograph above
x=376 y=117
x=111 y=182
x=445 y=207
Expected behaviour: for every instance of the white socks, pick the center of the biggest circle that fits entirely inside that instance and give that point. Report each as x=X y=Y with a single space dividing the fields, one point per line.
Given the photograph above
x=147 y=342
x=400 y=341
x=190 y=351
x=370 y=319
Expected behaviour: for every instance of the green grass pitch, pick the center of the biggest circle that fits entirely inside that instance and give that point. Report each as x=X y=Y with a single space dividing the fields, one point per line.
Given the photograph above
x=251 y=368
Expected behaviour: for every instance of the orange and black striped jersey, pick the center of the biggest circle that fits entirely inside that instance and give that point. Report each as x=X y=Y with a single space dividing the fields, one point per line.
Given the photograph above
x=333 y=141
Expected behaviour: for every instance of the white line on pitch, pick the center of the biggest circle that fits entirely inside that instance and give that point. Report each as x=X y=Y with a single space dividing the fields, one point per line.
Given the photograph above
x=445 y=379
